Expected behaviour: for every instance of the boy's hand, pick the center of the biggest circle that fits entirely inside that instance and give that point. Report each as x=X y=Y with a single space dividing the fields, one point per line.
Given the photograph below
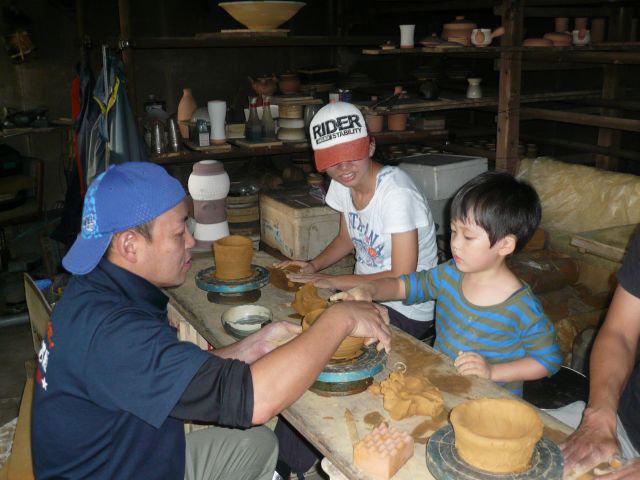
x=360 y=293
x=320 y=280
x=304 y=267
x=472 y=363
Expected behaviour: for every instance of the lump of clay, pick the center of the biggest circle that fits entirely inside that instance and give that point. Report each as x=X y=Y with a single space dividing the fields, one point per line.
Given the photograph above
x=307 y=299
x=406 y=395
x=278 y=278
x=497 y=435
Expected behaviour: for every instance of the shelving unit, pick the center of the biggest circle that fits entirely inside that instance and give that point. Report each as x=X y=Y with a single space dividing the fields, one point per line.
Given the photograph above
x=510 y=58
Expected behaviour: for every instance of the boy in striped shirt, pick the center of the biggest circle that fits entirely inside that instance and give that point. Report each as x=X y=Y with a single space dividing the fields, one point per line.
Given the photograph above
x=487 y=320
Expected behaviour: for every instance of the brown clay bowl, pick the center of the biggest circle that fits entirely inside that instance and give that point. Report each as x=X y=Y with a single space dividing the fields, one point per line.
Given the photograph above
x=497 y=435
x=559 y=39
x=267 y=15
x=350 y=346
x=233 y=255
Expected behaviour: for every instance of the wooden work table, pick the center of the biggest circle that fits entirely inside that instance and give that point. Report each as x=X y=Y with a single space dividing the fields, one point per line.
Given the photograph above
x=321 y=419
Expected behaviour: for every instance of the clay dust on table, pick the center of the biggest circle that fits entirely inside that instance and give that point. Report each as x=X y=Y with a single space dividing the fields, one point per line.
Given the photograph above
x=429 y=426
x=453 y=384
x=415 y=357
x=373 y=419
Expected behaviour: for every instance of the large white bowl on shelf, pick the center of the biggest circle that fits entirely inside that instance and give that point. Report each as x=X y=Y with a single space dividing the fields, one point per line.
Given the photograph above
x=262 y=16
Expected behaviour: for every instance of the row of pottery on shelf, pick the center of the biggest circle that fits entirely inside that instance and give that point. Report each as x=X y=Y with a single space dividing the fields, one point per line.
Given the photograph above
x=597 y=31
x=288 y=83
x=215 y=116
x=396 y=122
x=560 y=39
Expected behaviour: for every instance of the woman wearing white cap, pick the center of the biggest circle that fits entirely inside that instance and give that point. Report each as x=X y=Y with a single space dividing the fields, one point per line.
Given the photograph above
x=385 y=218
x=384 y=215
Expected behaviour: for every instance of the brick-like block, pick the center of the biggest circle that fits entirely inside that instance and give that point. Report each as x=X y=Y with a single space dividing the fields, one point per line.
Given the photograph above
x=383 y=451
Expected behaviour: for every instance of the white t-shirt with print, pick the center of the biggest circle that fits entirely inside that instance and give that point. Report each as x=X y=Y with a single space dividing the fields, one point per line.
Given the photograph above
x=397 y=206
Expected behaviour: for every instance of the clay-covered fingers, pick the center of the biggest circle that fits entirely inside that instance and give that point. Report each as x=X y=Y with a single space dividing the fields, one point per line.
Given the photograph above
x=304 y=267
x=630 y=471
x=591 y=444
x=369 y=321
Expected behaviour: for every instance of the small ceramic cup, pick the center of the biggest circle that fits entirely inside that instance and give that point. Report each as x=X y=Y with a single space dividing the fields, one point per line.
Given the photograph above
x=217 y=113
x=481 y=37
x=406 y=36
x=581 y=37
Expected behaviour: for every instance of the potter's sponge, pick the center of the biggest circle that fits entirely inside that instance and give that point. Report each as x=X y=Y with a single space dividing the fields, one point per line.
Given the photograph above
x=383 y=451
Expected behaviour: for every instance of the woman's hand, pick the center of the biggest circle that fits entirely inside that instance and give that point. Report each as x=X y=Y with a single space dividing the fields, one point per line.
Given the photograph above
x=361 y=293
x=320 y=280
x=304 y=267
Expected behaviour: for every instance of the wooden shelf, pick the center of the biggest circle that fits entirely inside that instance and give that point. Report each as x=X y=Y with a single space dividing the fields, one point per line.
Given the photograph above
x=453 y=102
x=611 y=52
x=150 y=43
x=382 y=138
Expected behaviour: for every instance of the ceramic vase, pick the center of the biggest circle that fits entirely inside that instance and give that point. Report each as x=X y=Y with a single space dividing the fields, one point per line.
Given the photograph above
x=581 y=23
x=374 y=122
x=561 y=24
x=397 y=122
x=233 y=255
x=406 y=36
x=186 y=107
x=597 y=30
x=217 y=113
x=208 y=186
x=474 y=90
x=350 y=346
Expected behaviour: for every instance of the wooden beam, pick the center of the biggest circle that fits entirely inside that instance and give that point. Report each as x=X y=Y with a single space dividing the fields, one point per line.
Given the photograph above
x=541 y=66
x=550 y=12
x=601 y=121
x=507 y=137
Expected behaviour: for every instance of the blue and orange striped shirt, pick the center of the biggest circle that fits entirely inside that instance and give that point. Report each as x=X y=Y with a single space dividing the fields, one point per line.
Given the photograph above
x=508 y=331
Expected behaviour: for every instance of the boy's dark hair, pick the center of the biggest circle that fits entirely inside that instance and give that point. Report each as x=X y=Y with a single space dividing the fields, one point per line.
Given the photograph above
x=501 y=204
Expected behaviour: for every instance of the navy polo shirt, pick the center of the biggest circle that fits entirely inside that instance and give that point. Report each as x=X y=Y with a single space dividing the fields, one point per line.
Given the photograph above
x=110 y=372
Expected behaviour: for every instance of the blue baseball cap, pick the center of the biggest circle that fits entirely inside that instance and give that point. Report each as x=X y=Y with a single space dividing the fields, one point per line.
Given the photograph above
x=124 y=196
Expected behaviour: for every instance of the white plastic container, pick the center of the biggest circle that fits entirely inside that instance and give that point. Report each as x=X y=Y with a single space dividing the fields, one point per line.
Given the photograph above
x=297 y=224
x=440 y=175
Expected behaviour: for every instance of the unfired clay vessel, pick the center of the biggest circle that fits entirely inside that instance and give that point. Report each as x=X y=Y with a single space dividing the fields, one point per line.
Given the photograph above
x=307 y=299
x=186 y=107
x=458 y=31
x=350 y=346
x=289 y=83
x=559 y=39
x=374 y=122
x=233 y=256
x=497 y=435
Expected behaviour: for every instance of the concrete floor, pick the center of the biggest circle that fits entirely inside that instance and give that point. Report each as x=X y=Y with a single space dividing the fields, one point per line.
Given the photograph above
x=16 y=347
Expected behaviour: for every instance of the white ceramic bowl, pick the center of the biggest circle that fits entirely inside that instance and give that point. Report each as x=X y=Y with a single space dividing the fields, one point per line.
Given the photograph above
x=243 y=320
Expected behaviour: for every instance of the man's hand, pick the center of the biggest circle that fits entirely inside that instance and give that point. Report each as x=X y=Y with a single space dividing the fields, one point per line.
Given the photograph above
x=594 y=442
x=305 y=267
x=368 y=320
x=258 y=344
x=472 y=363
x=361 y=293
x=320 y=280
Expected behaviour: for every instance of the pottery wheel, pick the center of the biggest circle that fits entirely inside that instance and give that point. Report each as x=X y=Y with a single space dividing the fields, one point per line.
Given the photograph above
x=444 y=463
x=347 y=377
x=232 y=292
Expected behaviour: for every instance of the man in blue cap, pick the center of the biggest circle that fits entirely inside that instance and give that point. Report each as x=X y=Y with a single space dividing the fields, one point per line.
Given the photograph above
x=114 y=384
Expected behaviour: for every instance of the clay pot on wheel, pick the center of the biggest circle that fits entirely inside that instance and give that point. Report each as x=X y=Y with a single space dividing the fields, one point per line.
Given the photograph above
x=497 y=435
x=397 y=122
x=350 y=346
x=233 y=255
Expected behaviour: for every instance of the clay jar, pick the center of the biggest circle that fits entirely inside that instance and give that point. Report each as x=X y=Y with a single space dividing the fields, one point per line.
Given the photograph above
x=374 y=122
x=264 y=85
x=497 y=435
x=289 y=83
x=561 y=24
x=581 y=23
x=397 y=122
x=350 y=346
x=458 y=31
x=233 y=256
